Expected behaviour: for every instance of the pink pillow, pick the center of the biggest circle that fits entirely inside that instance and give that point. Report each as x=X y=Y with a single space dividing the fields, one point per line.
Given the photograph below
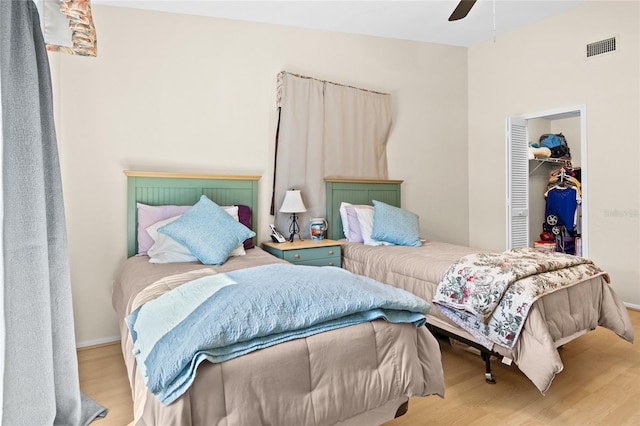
x=147 y=216
x=355 y=233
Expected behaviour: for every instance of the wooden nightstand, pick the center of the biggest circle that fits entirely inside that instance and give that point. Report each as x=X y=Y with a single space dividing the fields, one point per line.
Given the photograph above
x=308 y=252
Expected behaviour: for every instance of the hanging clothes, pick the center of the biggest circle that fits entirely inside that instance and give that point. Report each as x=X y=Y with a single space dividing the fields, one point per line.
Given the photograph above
x=564 y=176
x=562 y=201
x=561 y=212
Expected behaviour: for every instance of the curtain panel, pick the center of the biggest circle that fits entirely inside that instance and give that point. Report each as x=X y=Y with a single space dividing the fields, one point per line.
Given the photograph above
x=357 y=125
x=40 y=370
x=325 y=129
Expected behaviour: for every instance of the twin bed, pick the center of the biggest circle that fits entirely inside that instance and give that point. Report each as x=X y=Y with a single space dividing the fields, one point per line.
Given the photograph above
x=358 y=374
x=553 y=320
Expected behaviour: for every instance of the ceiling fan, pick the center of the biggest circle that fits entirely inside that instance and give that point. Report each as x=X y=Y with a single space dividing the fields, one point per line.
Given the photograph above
x=462 y=9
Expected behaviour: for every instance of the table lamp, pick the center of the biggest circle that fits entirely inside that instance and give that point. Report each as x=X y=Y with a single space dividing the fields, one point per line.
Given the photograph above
x=293 y=204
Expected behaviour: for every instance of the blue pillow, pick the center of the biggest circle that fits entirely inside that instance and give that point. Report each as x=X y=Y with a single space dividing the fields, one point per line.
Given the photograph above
x=395 y=225
x=208 y=231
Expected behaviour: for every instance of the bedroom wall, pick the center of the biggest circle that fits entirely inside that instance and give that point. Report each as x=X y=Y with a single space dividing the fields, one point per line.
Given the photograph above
x=543 y=67
x=181 y=93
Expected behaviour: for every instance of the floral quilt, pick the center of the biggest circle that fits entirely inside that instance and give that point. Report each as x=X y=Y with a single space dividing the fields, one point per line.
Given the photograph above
x=490 y=294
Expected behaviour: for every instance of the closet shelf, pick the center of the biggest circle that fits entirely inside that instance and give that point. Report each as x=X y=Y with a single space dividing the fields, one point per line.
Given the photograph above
x=542 y=161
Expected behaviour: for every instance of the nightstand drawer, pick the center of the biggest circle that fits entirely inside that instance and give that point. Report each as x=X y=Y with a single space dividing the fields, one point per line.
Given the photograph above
x=327 y=261
x=307 y=252
x=304 y=255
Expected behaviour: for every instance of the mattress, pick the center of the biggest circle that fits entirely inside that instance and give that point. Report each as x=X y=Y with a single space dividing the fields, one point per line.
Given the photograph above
x=553 y=320
x=360 y=374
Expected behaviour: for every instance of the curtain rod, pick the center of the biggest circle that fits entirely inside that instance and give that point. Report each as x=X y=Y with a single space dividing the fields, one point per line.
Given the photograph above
x=331 y=82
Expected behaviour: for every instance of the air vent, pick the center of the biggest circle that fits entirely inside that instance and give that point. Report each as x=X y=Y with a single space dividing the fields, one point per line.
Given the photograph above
x=602 y=46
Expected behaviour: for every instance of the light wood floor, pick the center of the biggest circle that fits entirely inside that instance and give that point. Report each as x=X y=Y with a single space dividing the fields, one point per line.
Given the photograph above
x=600 y=385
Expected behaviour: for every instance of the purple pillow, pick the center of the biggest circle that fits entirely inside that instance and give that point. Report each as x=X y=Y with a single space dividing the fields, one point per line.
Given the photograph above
x=147 y=216
x=244 y=215
x=355 y=234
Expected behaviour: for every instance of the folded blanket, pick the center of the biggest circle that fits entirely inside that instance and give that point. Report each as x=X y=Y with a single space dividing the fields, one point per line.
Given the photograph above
x=490 y=294
x=223 y=316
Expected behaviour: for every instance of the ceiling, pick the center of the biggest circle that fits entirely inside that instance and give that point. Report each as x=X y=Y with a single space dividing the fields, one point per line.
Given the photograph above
x=424 y=21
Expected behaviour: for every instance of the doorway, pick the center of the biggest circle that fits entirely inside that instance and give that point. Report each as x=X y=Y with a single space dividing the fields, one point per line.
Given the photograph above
x=527 y=179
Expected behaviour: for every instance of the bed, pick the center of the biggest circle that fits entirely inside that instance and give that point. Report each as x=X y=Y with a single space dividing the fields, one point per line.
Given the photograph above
x=553 y=320
x=359 y=374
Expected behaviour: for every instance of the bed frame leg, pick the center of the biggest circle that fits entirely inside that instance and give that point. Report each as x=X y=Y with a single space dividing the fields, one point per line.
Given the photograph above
x=402 y=409
x=486 y=355
x=488 y=375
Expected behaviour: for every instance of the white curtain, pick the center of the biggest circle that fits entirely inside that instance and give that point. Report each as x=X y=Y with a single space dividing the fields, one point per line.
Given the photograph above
x=357 y=124
x=326 y=130
x=39 y=370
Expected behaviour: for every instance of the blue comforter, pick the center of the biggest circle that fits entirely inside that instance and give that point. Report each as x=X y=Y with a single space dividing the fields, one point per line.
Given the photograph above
x=223 y=316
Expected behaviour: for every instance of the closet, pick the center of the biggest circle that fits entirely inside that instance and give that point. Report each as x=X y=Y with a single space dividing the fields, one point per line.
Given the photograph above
x=528 y=180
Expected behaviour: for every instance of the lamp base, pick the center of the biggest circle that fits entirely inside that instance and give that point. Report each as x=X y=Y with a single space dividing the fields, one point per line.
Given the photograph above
x=294 y=229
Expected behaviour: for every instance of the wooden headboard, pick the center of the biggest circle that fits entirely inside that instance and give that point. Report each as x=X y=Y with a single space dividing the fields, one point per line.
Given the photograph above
x=356 y=191
x=160 y=188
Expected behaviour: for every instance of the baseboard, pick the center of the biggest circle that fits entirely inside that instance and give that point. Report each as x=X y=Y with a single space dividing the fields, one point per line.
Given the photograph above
x=97 y=342
x=632 y=306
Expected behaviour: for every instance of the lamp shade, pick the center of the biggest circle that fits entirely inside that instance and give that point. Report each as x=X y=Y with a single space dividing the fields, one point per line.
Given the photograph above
x=292 y=202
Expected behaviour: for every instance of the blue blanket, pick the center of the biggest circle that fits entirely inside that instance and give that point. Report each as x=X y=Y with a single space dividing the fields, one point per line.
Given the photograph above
x=223 y=316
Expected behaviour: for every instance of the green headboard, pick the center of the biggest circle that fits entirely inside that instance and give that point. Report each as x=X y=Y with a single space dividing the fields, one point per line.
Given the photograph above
x=356 y=191
x=158 y=188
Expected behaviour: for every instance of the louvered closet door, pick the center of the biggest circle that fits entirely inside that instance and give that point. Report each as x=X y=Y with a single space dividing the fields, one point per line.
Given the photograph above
x=517 y=183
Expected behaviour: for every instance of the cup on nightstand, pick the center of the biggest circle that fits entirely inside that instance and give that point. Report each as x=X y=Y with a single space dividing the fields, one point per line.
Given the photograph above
x=317 y=228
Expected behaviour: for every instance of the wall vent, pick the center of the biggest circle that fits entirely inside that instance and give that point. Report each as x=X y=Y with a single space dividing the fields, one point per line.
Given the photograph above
x=602 y=46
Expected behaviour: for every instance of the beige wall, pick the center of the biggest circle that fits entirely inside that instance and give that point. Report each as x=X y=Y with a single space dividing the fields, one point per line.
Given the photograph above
x=542 y=67
x=181 y=93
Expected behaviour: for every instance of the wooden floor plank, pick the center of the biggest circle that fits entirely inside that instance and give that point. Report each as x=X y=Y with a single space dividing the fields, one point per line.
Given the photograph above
x=600 y=385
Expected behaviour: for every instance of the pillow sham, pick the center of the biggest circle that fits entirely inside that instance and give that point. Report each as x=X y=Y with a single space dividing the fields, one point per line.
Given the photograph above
x=244 y=216
x=208 y=232
x=167 y=250
x=234 y=212
x=365 y=220
x=343 y=217
x=355 y=230
x=350 y=224
x=395 y=225
x=147 y=216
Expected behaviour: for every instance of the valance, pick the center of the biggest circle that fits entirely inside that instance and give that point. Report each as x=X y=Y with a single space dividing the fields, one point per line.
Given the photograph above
x=68 y=26
x=280 y=85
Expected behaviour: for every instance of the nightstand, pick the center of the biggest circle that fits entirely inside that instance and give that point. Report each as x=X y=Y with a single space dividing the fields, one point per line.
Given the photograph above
x=307 y=252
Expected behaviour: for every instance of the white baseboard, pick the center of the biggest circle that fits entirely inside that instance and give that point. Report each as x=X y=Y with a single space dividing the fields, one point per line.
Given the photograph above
x=632 y=306
x=97 y=342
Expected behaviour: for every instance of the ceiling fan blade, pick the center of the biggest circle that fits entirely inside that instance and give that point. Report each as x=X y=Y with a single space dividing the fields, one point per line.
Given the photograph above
x=462 y=9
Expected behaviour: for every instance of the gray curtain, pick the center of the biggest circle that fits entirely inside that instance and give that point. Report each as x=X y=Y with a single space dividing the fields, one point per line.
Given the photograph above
x=40 y=383
x=326 y=130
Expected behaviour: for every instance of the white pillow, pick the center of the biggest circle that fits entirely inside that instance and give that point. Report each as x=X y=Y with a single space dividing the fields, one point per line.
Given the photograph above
x=167 y=250
x=344 y=218
x=365 y=219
